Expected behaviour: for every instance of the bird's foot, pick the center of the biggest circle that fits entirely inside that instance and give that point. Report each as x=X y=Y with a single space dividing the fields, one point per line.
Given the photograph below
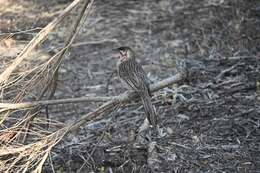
x=160 y=132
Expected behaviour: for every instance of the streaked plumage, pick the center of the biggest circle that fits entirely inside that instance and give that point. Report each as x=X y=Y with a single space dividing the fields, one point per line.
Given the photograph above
x=132 y=73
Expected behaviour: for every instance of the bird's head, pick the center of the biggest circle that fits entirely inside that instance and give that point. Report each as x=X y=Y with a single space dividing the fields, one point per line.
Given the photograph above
x=126 y=53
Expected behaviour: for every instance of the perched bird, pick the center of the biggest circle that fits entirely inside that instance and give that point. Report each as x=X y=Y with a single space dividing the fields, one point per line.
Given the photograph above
x=132 y=73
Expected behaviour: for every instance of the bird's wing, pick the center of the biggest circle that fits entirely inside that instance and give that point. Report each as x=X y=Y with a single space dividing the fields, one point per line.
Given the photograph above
x=129 y=79
x=134 y=75
x=142 y=75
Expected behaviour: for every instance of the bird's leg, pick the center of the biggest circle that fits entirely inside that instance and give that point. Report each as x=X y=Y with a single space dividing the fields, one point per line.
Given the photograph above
x=143 y=135
x=145 y=126
x=145 y=132
x=149 y=92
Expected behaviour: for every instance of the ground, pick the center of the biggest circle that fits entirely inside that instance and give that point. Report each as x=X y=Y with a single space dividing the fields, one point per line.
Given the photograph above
x=210 y=122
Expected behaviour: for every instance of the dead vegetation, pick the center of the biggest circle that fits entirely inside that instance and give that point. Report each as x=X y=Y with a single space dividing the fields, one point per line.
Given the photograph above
x=50 y=118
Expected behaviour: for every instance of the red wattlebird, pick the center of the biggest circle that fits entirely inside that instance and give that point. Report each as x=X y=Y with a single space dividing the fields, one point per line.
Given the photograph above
x=132 y=73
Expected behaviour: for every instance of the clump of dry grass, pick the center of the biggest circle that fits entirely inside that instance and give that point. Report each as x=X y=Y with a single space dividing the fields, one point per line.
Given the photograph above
x=26 y=140
x=23 y=157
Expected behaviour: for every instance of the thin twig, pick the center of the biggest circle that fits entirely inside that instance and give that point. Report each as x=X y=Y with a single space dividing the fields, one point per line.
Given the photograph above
x=28 y=31
x=226 y=71
x=24 y=105
x=180 y=145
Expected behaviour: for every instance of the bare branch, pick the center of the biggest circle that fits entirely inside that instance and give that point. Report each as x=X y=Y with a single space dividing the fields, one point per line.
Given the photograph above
x=123 y=98
x=157 y=86
x=53 y=102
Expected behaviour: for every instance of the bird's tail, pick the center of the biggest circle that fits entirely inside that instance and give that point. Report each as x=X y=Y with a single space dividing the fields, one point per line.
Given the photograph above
x=149 y=109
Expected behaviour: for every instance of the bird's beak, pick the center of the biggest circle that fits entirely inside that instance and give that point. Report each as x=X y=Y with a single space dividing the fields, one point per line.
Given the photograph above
x=115 y=52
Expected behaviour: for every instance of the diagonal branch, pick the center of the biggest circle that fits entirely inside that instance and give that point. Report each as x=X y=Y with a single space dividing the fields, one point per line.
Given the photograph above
x=123 y=98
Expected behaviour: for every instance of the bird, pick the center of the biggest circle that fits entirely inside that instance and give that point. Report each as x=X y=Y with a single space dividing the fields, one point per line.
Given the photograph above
x=132 y=73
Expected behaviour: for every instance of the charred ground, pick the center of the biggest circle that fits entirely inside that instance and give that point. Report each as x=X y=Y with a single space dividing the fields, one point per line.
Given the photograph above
x=210 y=121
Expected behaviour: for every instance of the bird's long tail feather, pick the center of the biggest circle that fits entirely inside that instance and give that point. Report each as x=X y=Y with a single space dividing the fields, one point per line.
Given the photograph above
x=149 y=109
